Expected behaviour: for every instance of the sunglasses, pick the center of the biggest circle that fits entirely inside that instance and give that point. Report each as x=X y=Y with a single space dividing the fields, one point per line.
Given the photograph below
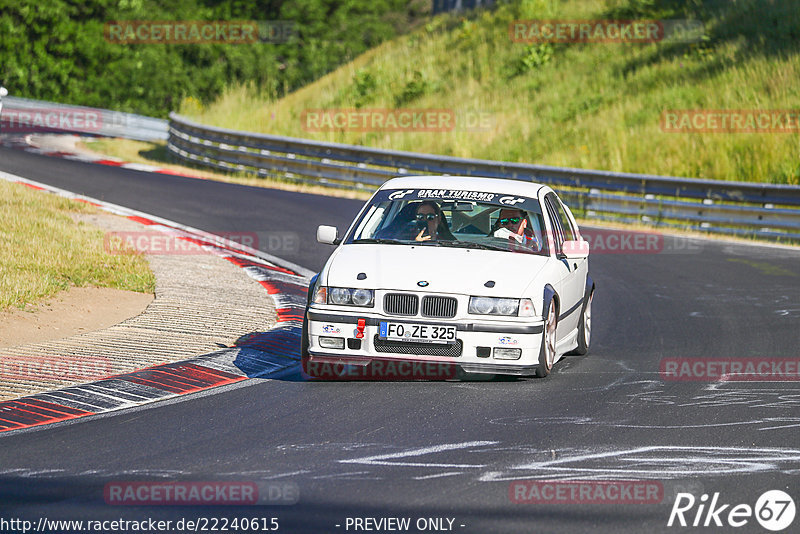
x=429 y=216
x=509 y=220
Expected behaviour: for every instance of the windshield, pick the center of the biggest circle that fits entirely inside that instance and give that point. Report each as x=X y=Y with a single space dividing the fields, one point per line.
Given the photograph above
x=449 y=218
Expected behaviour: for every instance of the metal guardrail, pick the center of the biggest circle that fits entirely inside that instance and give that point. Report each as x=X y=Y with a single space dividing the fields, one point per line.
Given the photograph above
x=734 y=208
x=25 y=115
x=739 y=208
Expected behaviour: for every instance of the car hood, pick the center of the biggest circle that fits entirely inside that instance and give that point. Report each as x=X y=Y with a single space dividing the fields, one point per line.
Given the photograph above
x=445 y=269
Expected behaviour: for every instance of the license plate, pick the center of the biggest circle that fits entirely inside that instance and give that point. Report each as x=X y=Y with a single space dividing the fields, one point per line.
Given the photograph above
x=417 y=333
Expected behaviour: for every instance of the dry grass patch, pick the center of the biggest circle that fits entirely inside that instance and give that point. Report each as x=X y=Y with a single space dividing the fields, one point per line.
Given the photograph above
x=44 y=251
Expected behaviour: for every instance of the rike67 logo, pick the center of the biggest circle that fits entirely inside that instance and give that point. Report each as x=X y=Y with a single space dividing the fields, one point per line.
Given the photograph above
x=774 y=510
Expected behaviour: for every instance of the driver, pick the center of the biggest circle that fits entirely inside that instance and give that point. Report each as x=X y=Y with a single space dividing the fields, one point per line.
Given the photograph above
x=514 y=224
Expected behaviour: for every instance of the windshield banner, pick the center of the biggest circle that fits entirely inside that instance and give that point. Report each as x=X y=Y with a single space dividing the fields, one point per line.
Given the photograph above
x=449 y=195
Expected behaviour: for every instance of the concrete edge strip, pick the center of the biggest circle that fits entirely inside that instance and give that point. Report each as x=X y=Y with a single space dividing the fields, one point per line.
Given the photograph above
x=270 y=354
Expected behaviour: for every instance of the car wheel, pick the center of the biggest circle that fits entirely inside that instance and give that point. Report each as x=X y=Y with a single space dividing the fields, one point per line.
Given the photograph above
x=304 y=345
x=585 y=327
x=547 y=352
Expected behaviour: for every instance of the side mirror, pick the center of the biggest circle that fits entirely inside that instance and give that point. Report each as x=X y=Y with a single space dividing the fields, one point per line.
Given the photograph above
x=576 y=250
x=328 y=235
x=3 y=92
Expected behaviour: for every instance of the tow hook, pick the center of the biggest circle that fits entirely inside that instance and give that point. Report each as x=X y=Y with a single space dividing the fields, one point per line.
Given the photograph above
x=362 y=323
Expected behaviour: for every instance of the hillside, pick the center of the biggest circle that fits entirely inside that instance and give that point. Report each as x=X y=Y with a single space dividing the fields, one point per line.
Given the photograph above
x=62 y=50
x=589 y=105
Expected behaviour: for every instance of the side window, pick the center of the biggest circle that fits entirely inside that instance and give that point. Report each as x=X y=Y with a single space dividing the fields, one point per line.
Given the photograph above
x=555 y=222
x=566 y=226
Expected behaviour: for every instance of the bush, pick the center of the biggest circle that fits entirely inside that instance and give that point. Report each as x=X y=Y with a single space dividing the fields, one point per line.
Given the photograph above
x=56 y=50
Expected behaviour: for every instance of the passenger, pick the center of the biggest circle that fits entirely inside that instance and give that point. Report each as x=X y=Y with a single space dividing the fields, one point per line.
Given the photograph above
x=431 y=223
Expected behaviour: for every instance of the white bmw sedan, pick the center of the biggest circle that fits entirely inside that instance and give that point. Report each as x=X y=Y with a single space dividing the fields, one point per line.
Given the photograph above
x=487 y=275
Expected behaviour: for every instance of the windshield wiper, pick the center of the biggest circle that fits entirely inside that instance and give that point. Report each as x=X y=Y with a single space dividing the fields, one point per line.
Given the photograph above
x=465 y=244
x=379 y=241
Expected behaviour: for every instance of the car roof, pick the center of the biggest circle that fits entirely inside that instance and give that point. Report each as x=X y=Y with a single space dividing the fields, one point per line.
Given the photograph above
x=469 y=183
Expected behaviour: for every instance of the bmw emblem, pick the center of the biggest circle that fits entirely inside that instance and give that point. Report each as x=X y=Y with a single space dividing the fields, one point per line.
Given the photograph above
x=422 y=283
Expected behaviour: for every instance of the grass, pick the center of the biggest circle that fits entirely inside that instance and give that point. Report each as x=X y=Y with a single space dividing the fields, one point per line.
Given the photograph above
x=43 y=250
x=595 y=106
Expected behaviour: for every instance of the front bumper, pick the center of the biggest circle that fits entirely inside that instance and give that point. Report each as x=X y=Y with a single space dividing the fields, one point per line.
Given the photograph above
x=475 y=350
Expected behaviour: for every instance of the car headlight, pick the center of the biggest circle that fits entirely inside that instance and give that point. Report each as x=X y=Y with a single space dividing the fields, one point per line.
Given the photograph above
x=507 y=306
x=362 y=297
x=346 y=296
x=501 y=306
x=481 y=305
x=339 y=295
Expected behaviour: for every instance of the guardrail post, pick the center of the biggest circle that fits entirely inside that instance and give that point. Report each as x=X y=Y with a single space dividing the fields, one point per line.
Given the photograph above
x=3 y=92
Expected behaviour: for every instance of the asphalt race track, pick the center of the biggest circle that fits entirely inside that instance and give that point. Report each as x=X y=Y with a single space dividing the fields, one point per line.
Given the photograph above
x=449 y=449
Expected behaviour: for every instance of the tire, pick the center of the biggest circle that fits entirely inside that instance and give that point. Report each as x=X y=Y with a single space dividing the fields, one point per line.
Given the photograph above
x=585 y=327
x=547 y=352
x=304 y=356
